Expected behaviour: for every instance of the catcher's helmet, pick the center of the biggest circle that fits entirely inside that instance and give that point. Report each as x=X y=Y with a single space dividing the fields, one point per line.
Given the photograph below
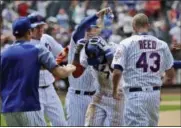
x=94 y=53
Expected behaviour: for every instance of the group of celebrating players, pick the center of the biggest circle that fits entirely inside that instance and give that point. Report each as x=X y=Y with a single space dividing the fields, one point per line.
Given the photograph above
x=110 y=84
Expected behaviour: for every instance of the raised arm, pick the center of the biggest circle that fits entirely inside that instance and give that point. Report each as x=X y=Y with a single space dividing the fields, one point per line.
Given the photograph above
x=79 y=68
x=82 y=27
x=85 y=24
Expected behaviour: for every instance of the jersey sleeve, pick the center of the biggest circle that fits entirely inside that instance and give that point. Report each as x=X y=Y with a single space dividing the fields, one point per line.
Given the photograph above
x=46 y=58
x=55 y=47
x=168 y=58
x=119 y=58
x=83 y=58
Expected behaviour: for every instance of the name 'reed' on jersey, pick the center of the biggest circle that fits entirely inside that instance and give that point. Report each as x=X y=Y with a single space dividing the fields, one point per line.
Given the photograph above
x=144 y=59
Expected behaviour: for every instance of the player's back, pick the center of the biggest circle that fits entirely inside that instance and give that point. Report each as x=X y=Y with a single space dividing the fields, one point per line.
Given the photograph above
x=145 y=60
x=18 y=78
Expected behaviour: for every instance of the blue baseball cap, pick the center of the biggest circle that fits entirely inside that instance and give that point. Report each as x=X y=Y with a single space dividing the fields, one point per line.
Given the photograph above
x=36 y=20
x=21 y=26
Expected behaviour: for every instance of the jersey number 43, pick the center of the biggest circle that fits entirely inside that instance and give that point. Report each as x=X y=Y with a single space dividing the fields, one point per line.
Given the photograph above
x=143 y=62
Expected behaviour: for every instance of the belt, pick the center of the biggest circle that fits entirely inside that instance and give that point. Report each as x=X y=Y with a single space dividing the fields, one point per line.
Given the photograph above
x=43 y=87
x=85 y=93
x=140 y=89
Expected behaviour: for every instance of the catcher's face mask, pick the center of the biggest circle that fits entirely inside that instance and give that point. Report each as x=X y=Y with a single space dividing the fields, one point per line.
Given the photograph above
x=94 y=53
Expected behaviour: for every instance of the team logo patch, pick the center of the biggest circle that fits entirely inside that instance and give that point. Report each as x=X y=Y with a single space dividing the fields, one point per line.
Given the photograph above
x=118 y=54
x=48 y=46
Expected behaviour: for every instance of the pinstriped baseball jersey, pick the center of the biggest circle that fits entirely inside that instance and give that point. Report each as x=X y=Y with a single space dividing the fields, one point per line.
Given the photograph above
x=144 y=59
x=102 y=71
x=46 y=78
x=87 y=80
x=51 y=44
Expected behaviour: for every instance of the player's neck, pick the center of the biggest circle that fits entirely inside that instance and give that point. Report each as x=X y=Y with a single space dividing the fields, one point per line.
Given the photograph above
x=142 y=30
x=22 y=39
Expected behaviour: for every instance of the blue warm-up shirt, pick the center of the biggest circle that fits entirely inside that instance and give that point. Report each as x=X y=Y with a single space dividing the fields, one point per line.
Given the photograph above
x=20 y=67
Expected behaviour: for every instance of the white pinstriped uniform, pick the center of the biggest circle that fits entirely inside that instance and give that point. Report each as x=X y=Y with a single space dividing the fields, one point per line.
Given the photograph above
x=104 y=109
x=144 y=59
x=51 y=105
x=76 y=105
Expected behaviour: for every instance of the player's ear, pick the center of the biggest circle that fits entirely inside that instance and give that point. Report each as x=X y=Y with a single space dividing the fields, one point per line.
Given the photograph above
x=149 y=26
x=134 y=28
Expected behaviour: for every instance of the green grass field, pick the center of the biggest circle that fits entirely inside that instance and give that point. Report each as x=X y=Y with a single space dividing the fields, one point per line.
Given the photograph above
x=171 y=98
x=162 y=107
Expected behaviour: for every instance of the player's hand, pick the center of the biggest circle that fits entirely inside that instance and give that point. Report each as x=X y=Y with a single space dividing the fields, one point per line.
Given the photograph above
x=104 y=11
x=80 y=45
x=62 y=55
x=117 y=95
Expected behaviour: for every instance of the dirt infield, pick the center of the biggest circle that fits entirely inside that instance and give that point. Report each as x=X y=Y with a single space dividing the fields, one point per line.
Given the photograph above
x=170 y=118
x=171 y=103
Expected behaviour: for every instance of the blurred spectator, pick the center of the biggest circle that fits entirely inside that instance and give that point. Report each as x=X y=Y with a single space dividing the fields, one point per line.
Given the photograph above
x=174 y=14
x=41 y=7
x=79 y=11
x=63 y=19
x=22 y=9
x=175 y=33
x=152 y=8
x=127 y=24
x=53 y=8
x=9 y=14
x=6 y=35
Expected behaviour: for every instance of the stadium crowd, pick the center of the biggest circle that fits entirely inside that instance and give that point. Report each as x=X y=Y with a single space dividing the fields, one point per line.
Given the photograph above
x=63 y=16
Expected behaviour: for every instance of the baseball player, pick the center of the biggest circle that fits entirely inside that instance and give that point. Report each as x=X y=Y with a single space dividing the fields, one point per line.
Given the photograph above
x=20 y=67
x=98 y=54
x=141 y=60
x=83 y=88
x=51 y=105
